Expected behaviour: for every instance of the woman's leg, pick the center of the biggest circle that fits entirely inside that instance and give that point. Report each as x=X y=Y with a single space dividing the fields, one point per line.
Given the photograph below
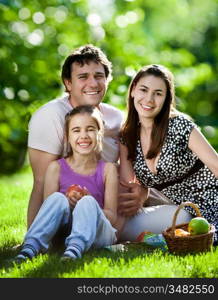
x=89 y=227
x=54 y=212
x=154 y=219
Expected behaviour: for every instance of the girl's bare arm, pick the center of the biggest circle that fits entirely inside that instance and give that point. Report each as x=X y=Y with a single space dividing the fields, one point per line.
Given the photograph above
x=111 y=192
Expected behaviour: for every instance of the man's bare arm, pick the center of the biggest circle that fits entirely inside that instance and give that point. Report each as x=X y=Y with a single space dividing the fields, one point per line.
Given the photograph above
x=39 y=161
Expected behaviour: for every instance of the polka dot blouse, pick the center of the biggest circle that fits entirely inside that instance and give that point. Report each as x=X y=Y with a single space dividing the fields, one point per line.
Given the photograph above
x=175 y=162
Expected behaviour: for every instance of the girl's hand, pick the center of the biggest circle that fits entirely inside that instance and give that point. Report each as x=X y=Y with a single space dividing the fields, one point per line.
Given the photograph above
x=73 y=198
x=75 y=193
x=85 y=191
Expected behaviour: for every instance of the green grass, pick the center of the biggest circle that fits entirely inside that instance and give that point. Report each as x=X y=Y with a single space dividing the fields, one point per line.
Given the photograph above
x=132 y=263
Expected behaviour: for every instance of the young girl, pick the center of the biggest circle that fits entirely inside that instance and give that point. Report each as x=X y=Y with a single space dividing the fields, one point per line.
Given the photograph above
x=90 y=214
x=165 y=150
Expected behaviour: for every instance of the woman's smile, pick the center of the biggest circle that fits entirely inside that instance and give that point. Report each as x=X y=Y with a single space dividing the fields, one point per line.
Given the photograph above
x=146 y=107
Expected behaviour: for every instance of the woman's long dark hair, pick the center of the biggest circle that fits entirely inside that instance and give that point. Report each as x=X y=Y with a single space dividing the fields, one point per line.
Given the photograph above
x=130 y=131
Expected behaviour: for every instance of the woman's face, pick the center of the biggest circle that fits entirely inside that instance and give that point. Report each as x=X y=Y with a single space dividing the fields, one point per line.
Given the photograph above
x=149 y=95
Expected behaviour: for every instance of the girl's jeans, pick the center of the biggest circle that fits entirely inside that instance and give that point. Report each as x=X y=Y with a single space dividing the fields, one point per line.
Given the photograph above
x=89 y=227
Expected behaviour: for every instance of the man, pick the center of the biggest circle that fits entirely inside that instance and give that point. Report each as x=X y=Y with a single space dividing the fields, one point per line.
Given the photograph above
x=86 y=74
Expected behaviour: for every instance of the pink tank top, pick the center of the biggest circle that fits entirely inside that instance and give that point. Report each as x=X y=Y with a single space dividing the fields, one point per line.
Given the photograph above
x=94 y=182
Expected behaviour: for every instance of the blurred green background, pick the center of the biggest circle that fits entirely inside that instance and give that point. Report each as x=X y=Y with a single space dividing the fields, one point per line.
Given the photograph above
x=36 y=37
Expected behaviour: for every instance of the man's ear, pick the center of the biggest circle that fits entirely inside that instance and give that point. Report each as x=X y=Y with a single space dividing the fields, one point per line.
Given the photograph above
x=68 y=85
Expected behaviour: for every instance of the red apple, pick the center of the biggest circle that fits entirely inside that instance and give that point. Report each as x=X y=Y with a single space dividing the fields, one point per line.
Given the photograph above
x=76 y=188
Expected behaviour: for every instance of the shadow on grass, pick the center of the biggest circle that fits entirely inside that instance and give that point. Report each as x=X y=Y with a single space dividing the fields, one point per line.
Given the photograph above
x=50 y=266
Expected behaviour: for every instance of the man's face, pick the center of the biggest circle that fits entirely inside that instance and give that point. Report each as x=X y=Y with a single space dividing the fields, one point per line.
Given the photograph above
x=87 y=85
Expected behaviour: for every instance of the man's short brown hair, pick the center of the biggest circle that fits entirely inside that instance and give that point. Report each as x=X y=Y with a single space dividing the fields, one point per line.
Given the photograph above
x=84 y=55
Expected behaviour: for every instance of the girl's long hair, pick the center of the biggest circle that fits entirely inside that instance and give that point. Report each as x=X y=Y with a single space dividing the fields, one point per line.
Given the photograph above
x=96 y=115
x=130 y=131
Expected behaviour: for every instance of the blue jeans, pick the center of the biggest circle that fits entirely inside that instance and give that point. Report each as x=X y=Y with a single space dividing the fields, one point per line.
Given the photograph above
x=89 y=227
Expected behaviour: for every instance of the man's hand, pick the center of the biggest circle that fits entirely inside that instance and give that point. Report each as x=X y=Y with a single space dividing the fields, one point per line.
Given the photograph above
x=131 y=200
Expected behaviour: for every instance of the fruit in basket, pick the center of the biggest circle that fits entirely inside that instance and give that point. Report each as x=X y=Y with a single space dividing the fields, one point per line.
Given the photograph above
x=181 y=232
x=198 y=225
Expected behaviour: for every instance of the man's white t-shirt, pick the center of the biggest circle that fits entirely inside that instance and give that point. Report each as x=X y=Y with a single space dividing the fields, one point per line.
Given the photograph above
x=46 y=128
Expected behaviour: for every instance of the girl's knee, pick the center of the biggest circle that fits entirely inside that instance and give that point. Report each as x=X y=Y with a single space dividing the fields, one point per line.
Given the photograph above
x=87 y=201
x=58 y=199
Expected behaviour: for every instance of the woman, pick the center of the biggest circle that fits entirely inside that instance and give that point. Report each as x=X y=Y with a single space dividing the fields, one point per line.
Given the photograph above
x=164 y=149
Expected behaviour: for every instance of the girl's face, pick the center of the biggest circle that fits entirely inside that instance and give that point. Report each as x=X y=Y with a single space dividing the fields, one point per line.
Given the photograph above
x=149 y=95
x=83 y=134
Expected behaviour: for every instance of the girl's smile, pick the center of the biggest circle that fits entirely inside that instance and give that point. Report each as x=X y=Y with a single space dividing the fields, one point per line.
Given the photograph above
x=84 y=145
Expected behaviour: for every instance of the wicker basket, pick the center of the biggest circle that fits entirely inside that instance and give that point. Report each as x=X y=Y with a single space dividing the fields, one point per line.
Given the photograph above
x=190 y=243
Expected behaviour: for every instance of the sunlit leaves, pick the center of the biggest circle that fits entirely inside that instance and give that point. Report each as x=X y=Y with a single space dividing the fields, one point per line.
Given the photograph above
x=36 y=36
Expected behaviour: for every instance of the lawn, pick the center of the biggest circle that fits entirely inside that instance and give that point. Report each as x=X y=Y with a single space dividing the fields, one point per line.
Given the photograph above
x=135 y=262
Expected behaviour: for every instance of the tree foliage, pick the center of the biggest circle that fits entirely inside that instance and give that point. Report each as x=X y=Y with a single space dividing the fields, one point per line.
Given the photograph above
x=36 y=36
